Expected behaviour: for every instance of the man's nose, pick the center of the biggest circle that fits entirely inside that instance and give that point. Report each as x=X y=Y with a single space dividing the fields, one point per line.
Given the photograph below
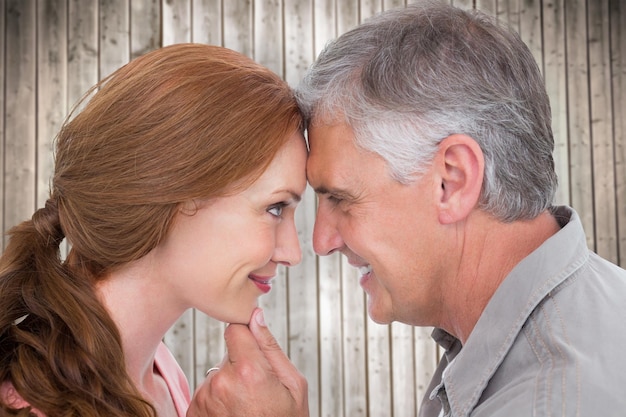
x=326 y=237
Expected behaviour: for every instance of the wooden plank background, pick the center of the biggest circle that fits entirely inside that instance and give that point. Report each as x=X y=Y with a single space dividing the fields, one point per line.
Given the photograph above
x=51 y=51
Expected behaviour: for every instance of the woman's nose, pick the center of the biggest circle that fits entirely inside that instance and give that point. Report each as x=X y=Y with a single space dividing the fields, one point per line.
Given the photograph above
x=326 y=237
x=288 y=250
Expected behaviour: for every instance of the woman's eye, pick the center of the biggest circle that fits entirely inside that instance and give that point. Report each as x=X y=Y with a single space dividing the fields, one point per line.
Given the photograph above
x=276 y=209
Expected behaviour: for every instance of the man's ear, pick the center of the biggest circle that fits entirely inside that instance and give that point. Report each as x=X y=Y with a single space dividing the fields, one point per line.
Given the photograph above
x=460 y=165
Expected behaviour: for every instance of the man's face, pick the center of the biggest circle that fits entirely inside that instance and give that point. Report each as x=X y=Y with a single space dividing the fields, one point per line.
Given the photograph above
x=385 y=228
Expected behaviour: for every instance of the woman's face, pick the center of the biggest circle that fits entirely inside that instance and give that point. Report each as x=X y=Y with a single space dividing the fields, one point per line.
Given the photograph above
x=221 y=257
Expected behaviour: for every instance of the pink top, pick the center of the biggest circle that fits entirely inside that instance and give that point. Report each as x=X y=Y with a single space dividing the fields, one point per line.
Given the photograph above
x=165 y=364
x=174 y=377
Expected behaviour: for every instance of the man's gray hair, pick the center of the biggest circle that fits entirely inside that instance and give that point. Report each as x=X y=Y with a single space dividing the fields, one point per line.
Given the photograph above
x=410 y=77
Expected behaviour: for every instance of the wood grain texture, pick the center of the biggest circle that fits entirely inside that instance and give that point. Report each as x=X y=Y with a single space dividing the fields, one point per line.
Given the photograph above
x=145 y=26
x=20 y=118
x=177 y=16
x=554 y=72
x=3 y=65
x=83 y=48
x=52 y=87
x=602 y=143
x=579 y=139
x=53 y=51
x=207 y=22
x=114 y=33
x=617 y=23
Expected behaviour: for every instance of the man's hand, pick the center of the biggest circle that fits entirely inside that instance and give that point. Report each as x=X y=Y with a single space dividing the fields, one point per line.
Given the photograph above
x=255 y=379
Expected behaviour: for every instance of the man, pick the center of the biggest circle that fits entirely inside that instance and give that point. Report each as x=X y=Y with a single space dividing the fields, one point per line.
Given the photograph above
x=431 y=153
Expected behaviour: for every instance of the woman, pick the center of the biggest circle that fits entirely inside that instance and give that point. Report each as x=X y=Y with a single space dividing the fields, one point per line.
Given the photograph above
x=176 y=187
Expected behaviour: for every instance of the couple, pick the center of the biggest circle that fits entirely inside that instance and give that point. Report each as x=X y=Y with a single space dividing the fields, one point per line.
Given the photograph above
x=430 y=150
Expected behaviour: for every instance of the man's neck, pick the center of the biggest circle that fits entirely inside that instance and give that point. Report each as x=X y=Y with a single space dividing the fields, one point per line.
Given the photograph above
x=486 y=255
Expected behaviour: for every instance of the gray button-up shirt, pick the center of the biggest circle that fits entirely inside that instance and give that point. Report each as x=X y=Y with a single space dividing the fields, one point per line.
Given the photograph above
x=550 y=342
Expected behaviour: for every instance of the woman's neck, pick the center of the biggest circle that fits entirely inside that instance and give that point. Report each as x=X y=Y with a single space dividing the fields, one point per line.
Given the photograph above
x=143 y=313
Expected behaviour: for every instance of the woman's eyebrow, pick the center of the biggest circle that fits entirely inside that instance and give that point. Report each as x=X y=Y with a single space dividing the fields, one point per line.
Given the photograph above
x=294 y=196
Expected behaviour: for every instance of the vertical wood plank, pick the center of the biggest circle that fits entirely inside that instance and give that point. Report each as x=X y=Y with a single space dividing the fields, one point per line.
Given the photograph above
x=325 y=25
x=303 y=295
x=487 y=6
x=176 y=21
x=82 y=43
x=237 y=26
x=369 y=8
x=508 y=13
x=463 y=4
x=317 y=310
x=554 y=74
x=332 y=364
x=269 y=50
x=379 y=395
x=114 y=45
x=52 y=87
x=392 y=4
x=208 y=342
x=617 y=15
x=355 y=342
x=20 y=112
x=268 y=35
x=604 y=201
x=530 y=29
x=180 y=339
x=303 y=289
x=267 y=39
x=275 y=309
x=2 y=116
x=145 y=26
x=378 y=369
x=578 y=115
x=426 y=359
x=335 y=336
x=358 y=381
x=207 y=22
x=403 y=372
x=355 y=320
x=347 y=15
x=208 y=334
x=82 y=56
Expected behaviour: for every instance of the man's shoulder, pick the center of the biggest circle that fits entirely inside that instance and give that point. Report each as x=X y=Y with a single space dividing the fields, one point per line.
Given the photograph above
x=567 y=358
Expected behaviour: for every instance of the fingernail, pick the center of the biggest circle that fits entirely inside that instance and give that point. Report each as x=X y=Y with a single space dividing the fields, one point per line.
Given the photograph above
x=260 y=318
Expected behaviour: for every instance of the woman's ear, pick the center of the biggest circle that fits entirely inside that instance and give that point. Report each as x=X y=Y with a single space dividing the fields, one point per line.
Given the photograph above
x=460 y=165
x=188 y=208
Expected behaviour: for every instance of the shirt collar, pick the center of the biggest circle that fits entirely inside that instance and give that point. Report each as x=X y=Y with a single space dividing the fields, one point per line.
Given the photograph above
x=507 y=311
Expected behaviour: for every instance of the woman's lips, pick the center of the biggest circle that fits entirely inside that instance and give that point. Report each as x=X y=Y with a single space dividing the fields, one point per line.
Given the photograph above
x=262 y=283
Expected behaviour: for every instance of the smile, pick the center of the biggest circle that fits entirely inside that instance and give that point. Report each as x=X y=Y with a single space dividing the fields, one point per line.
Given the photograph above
x=262 y=283
x=364 y=270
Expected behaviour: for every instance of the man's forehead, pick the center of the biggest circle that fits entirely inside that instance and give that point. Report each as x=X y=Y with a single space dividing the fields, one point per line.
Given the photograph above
x=330 y=136
x=331 y=163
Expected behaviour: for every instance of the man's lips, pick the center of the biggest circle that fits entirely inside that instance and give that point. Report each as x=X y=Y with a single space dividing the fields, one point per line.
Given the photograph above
x=365 y=271
x=262 y=283
x=363 y=268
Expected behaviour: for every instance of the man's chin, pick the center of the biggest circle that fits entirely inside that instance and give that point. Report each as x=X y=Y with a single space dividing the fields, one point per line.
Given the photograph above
x=378 y=316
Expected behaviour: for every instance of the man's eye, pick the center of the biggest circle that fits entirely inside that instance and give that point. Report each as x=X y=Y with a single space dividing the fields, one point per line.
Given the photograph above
x=333 y=199
x=276 y=209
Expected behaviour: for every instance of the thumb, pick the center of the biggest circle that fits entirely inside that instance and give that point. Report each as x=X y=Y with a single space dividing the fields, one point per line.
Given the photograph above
x=266 y=341
x=280 y=363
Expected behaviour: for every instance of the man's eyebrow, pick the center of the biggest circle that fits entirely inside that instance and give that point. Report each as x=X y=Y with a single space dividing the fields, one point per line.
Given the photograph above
x=322 y=190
